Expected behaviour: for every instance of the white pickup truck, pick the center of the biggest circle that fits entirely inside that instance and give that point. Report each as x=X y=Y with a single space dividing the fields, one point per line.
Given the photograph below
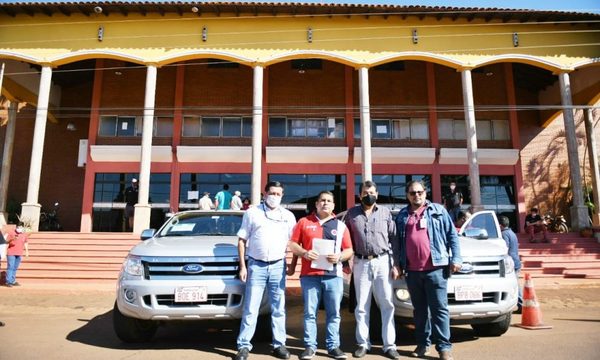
x=485 y=292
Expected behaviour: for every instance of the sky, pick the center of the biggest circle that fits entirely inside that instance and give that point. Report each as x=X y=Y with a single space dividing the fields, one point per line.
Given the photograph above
x=562 y=5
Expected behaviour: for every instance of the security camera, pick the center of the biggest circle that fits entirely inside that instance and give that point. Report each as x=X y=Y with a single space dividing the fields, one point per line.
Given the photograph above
x=195 y=9
x=97 y=9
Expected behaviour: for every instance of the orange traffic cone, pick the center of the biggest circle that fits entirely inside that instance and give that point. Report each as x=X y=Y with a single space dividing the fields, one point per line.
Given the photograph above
x=531 y=317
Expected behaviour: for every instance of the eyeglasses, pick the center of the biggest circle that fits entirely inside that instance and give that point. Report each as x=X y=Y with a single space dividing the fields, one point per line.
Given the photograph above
x=413 y=193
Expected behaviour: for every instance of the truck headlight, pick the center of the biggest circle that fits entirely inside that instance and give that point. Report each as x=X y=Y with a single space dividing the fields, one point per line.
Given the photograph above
x=509 y=265
x=402 y=294
x=133 y=266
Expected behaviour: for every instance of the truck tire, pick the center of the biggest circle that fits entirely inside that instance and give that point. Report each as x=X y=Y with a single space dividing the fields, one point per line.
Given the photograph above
x=131 y=330
x=492 y=329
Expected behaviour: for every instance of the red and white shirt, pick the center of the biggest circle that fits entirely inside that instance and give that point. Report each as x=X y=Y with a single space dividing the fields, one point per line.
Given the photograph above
x=311 y=227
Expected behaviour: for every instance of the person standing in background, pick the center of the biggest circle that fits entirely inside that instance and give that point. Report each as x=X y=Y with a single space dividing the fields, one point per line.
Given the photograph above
x=223 y=199
x=453 y=200
x=205 y=203
x=513 y=251
x=236 y=201
x=17 y=246
x=131 y=198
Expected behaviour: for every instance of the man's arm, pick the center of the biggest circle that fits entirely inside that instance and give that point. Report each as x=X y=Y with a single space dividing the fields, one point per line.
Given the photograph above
x=242 y=254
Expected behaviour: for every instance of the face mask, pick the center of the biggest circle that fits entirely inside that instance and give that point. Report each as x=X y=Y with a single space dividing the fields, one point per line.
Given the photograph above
x=273 y=201
x=368 y=200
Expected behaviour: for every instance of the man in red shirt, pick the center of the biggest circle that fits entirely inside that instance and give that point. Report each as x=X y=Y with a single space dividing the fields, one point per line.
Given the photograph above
x=323 y=242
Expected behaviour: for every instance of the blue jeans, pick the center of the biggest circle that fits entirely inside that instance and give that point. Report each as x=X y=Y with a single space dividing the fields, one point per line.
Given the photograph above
x=261 y=276
x=13 y=262
x=331 y=289
x=429 y=295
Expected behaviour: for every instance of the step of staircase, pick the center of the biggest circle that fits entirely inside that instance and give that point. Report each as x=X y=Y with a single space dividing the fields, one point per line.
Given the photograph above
x=61 y=257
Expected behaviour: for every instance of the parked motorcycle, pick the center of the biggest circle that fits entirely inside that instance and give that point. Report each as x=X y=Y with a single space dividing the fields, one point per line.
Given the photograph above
x=557 y=224
x=49 y=220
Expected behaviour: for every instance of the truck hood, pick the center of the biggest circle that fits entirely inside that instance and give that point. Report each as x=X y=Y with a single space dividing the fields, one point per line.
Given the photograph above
x=188 y=246
x=490 y=247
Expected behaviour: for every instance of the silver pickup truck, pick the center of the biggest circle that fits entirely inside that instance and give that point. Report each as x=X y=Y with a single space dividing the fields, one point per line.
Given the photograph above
x=187 y=270
x=483 y=294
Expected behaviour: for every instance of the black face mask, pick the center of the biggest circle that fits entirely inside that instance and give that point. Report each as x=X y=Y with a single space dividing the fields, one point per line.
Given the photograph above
x=368 y=200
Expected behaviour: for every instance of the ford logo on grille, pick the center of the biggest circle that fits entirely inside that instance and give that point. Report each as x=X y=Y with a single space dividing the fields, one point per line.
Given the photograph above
x=193 y=268
x=466 y=268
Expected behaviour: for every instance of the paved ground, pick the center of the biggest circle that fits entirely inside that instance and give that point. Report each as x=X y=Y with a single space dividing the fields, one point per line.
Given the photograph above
x=75 y=323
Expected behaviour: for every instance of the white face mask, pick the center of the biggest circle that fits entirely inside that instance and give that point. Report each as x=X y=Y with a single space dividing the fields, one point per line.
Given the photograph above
x=273 y=201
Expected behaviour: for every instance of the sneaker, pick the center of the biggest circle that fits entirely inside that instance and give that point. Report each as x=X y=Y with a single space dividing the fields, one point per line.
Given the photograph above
x=16 y=284
x=307 y=354
x=360 y=352
x=281 y=353
x=446 y=355
x=420 y=351
x=242 y=354
x=8 y=285
x=392 y=354
x=337 y=353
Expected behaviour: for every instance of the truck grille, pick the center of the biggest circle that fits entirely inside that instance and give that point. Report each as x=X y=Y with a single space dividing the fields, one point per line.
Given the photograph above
x=491 y=268
x=173 y=269
x=213 y=299
x=488 y=297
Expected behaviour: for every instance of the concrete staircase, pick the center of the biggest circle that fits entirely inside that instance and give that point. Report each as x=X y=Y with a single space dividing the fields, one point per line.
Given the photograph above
x=79 y=258
x=566 y=256
x=72 y=258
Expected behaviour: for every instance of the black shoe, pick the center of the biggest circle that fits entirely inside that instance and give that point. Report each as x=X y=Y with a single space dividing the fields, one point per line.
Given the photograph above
x=242 y=354
x=360 y=352
x=16 y=284
x=392 y=354
x=281 y=353
x=1 y=324
x=420 y=351
x=337 y=353
x=307 y=354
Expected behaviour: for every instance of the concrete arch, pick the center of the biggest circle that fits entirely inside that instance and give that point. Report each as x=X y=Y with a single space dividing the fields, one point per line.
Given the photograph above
x=95 y=54
x=587 y=63
x=525 y=59
x=203 y=54
x=303 y=54
x=20 y=57
x=421 y=56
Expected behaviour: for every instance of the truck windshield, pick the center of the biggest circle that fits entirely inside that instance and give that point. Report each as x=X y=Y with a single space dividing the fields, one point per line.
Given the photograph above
x=202 y=225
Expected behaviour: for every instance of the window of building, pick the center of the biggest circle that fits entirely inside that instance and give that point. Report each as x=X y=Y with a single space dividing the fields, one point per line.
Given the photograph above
x=392 y=188
x=297 y=127
x=129 y=126
x=301 y=191
x=215 y=126
x=454 y=129
x=109 y=202
x=401 y=129
x=192 y=186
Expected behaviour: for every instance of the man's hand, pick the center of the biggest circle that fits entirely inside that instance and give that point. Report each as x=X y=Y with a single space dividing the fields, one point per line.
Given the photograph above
x=311 y=255
x=334 y=258
x=396 y=273
x=291 y=269
x=243 y=274
x=455 y=267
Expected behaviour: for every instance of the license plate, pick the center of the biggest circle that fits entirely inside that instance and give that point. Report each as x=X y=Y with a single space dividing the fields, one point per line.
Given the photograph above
x=191 y=294
x=468 y=292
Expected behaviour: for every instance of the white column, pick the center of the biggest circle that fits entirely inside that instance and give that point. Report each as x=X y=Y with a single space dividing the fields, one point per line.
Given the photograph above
x=30 y=210
x=593 y=156
x=365 y=124
x=469 y=106
x=257 y=115
x=579 y=213
x=141 y=219
x=9 y=140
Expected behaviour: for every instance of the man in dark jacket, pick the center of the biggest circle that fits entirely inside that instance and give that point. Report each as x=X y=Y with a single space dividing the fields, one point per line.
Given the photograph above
x=513 y=251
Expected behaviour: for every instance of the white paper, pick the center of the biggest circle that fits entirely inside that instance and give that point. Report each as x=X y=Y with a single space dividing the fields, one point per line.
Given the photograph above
x=323 y=247
x=192 y=195
x=124 y=125
x=381 y=129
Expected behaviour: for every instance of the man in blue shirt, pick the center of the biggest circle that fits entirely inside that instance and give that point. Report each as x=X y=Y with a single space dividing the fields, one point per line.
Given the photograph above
x=223 y=199
x=513 y=251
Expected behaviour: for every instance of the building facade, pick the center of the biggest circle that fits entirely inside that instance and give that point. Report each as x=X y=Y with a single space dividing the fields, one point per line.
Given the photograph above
x=188 y=97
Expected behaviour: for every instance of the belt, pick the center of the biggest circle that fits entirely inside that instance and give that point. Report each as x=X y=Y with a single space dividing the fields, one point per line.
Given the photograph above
x=266 y=262
x=370 y=257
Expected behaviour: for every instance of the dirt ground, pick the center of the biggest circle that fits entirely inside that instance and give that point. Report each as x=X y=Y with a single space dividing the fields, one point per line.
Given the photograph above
x=75 y=322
